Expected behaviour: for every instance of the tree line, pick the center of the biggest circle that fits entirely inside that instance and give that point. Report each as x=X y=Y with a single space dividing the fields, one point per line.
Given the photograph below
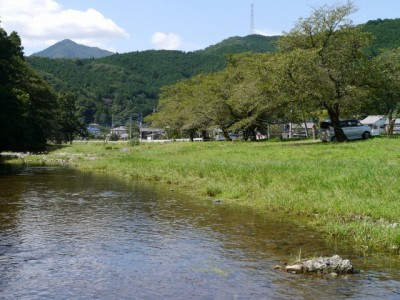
x=118 y=88
x=31 y=113
x=321 y=66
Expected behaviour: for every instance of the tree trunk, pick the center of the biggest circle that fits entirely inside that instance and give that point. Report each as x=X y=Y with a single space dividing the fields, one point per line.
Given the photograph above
x=333 y=113
x=391 y=122
x=314 y=132
x=305 y=125
x=226 y=135
x=191 y=135
x=252 y=133
x=204 y=135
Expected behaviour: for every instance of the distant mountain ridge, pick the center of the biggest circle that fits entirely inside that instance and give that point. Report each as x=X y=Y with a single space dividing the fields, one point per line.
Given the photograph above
x=251 y=43
x=69 y=49
x=386 y=35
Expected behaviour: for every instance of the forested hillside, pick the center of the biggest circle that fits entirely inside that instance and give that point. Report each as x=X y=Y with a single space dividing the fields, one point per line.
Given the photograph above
x=386 y=34
x=124 y=85
x=70 y=49
x=253 y=43
x=114 y=88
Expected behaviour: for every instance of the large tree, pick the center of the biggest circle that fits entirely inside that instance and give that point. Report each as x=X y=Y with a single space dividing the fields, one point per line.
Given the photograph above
x=248 y=94
x=323 y=64
x=235 y=99
x=67 y=125
x=181 y=109
x=29 y=109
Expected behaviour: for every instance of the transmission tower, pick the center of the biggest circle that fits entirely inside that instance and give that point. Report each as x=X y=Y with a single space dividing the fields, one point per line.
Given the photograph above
x=252 y=31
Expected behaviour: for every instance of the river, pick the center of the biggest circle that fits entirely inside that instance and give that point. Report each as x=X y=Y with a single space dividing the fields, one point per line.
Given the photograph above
x=71 y=235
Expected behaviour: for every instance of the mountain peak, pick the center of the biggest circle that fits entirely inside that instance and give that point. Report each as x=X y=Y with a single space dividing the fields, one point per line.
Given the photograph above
x=70 y=49
x=67 y=41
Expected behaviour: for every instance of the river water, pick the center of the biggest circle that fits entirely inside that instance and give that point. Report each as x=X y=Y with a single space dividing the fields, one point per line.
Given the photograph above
x=71 y=235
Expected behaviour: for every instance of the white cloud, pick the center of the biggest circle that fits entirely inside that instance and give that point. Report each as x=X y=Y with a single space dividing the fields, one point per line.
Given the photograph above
x=166 y=41
x=41 y=23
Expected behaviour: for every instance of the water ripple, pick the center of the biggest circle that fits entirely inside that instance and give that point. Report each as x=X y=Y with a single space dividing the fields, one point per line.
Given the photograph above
x=66 y=235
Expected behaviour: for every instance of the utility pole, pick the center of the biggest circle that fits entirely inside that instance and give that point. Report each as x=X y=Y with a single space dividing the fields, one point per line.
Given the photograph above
x=130 y=127
x=140 y=126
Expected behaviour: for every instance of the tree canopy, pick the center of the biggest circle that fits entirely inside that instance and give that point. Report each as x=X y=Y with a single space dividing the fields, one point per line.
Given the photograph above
x=321 y=64
x=29 y=108
x=238 y=98
x=324 y=63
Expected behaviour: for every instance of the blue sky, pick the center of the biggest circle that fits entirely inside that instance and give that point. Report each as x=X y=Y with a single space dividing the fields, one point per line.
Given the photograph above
x=187 y=25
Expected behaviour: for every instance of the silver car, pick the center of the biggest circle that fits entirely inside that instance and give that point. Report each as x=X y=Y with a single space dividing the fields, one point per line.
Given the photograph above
x=352 y=129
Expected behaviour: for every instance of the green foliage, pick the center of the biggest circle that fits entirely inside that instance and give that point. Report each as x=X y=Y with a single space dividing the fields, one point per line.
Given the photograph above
x=235 y=99
x=114 y=137
x=249 y=95
x=323 y=65
x=27 y=102
x=67 y=125
x=130 y=81
x=134 y=142
x=251 y=43
x=133 y=80
x=31 y=113
x=386 y=81
x=386 y=35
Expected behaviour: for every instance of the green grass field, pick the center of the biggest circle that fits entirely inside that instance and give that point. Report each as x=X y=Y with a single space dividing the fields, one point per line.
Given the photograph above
x=348 y=190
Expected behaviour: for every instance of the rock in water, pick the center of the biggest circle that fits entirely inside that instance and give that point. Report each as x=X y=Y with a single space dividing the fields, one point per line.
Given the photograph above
x=328 y=265
x=322 y=265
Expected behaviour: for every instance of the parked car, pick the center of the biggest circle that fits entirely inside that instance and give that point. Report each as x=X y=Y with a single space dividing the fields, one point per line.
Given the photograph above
x=353 y=129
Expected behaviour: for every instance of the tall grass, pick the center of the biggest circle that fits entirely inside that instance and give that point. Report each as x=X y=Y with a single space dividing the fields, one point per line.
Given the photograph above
x=348 y=190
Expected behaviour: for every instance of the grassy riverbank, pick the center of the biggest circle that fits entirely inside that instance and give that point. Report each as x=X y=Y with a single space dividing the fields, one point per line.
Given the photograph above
x=348 y=190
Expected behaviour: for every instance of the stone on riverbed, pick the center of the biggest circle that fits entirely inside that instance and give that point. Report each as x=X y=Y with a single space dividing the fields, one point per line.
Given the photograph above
x=322 y=265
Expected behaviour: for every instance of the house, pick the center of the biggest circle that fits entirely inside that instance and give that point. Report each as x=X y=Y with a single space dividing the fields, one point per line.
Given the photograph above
x=377 y=124
x=150 y=133
x=120 y=131
x=94 y=131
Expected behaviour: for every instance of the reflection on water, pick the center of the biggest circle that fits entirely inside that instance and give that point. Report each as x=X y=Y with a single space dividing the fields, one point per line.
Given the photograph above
x=68 y=235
